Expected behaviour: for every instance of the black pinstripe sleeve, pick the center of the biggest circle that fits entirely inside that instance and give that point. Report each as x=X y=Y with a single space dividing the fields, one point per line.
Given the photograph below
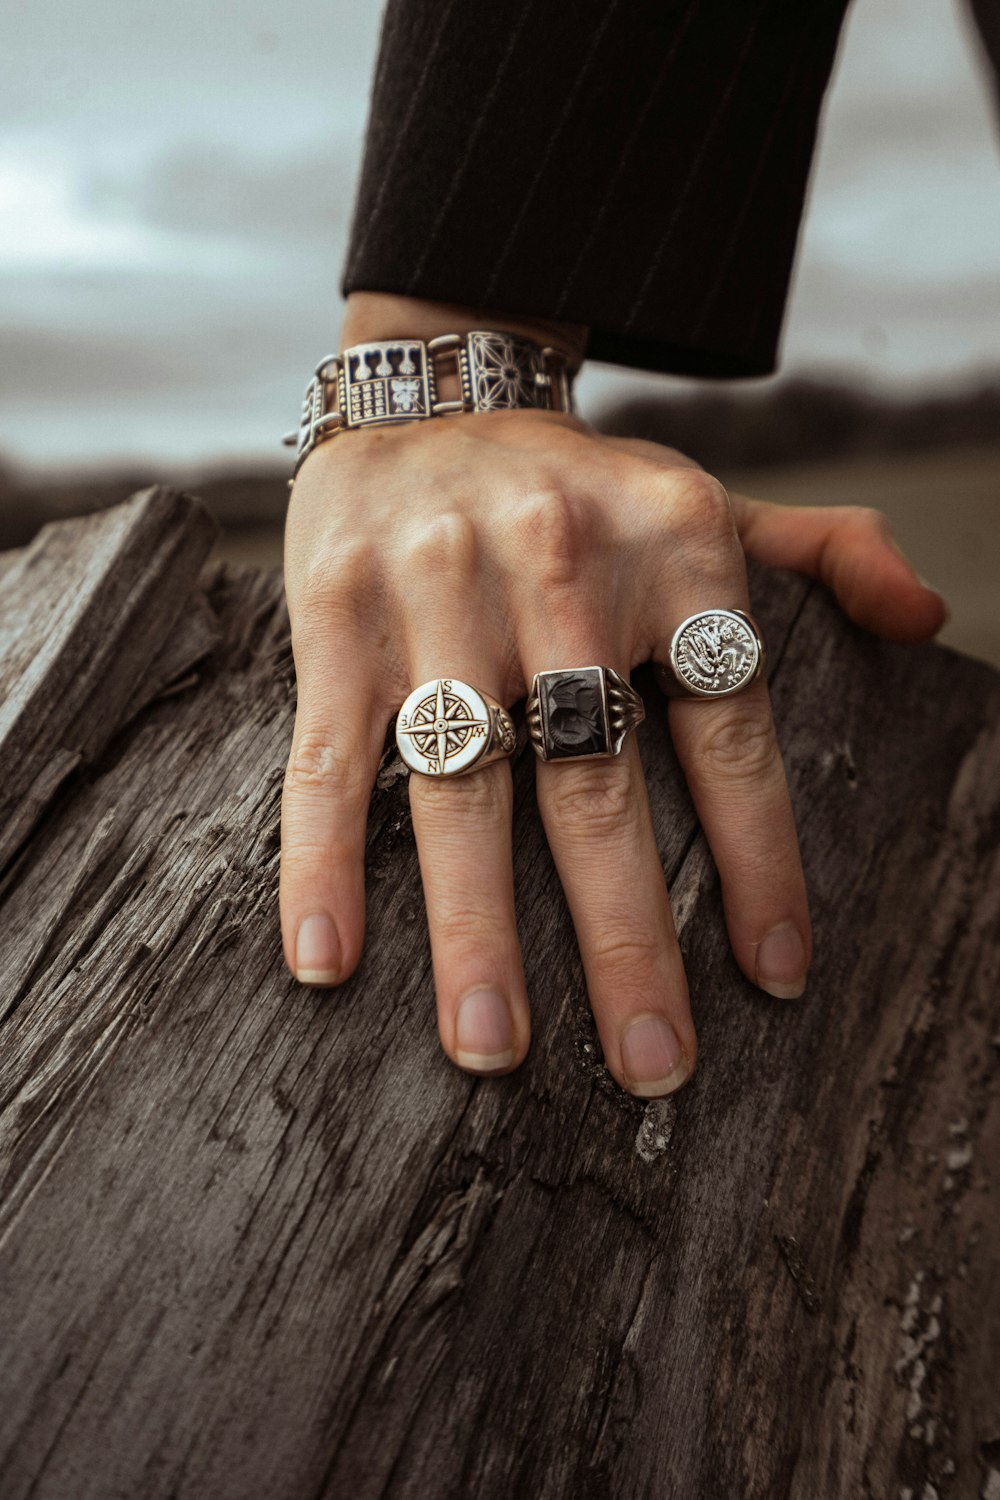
x=638 y=166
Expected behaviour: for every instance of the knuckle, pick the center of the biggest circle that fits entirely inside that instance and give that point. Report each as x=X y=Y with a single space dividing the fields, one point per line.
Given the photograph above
x=740 y=744
x=305 y=861
x=771 y=861
x=443 y=545
x=465 y=926
x=700 y=510
x=696 y=535
x=449 y=807
x=594 y=801
x=552 y=527
x=318 y=764
x=872 y=520
x=341 y=582
x=626 y=952
x=700 y=504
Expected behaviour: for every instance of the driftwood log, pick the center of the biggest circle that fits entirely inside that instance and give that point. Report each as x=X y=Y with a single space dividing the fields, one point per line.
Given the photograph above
x=263 y=1241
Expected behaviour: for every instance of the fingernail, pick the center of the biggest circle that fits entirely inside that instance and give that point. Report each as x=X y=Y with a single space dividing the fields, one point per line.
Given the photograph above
x=924 y=582
x=781 y=962
x=484 y=1032
x=317 y=950
x=653 y=1058
x=932 y=590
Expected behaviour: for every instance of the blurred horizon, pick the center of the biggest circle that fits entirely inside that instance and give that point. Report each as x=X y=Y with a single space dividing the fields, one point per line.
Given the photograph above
x=177 y=189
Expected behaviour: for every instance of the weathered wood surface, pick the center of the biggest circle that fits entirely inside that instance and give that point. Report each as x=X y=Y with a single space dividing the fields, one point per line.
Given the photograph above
x=263 y=1241
x=82 y=623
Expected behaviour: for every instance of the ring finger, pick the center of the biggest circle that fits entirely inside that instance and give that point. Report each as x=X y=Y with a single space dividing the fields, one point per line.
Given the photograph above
x=597 y=820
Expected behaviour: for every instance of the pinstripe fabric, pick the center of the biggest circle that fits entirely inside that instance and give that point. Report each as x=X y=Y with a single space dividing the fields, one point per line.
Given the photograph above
x=468 y=153
x=538 y=176
x=635 y=165
x=782 y=118
x=715 y=122
x=624 y=163
x=390 y=143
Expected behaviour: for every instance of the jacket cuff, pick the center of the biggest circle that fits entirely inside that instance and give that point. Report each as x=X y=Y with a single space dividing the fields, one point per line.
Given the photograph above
x=641 y=169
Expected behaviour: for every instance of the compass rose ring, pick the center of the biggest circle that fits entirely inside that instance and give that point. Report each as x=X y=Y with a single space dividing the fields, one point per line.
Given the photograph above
x=446 y=727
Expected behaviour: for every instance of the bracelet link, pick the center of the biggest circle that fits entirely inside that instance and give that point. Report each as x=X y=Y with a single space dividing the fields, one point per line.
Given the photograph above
x=396 y=380
x=559 y=378
x=384 y=382
x=446 y=351
x=318 y=419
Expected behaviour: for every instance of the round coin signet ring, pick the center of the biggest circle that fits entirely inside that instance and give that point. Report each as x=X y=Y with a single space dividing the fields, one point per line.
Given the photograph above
x=713 y=654
x=447 y=727
x=574 y=713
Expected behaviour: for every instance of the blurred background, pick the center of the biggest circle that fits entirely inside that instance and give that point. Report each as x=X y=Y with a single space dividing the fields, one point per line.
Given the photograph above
x=175 y=193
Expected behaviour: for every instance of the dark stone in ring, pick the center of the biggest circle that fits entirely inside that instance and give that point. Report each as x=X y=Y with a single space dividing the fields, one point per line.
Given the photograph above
x=581 y=712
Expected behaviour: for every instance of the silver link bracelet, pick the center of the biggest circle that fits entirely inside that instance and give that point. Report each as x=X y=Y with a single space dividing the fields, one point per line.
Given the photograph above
x=396 y=380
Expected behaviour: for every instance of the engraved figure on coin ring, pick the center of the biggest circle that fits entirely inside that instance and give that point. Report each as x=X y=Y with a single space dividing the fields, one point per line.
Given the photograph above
x=716 y=653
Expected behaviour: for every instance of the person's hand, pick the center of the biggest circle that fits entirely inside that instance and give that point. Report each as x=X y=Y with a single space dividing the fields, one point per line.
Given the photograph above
x=488 y=547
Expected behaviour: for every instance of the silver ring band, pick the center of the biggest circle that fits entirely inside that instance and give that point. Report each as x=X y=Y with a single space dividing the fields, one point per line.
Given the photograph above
x=577 y=713
x=713 y=654
x=446 y=727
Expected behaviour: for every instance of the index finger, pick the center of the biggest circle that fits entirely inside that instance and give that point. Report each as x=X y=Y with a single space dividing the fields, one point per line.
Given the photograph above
x=850 y=548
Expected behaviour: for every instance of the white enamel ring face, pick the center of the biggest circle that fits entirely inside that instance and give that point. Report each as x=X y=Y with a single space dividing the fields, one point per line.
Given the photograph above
x=716 y=652
x=443 y=727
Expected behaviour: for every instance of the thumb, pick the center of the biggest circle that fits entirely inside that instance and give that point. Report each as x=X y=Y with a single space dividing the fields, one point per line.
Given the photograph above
x=851 y=549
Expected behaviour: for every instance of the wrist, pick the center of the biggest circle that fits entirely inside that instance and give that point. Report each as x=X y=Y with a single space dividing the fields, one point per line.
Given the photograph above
x=385 y=315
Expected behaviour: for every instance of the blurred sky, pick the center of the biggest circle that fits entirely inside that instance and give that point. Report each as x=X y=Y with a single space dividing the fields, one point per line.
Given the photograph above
x=176 y=184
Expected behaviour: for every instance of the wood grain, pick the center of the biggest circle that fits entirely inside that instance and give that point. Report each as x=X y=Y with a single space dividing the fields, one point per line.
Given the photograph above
x=257 y=1240
x=82 y=613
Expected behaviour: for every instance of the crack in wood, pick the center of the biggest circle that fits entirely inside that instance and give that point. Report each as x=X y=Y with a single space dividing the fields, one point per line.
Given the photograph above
x=791 y=1254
